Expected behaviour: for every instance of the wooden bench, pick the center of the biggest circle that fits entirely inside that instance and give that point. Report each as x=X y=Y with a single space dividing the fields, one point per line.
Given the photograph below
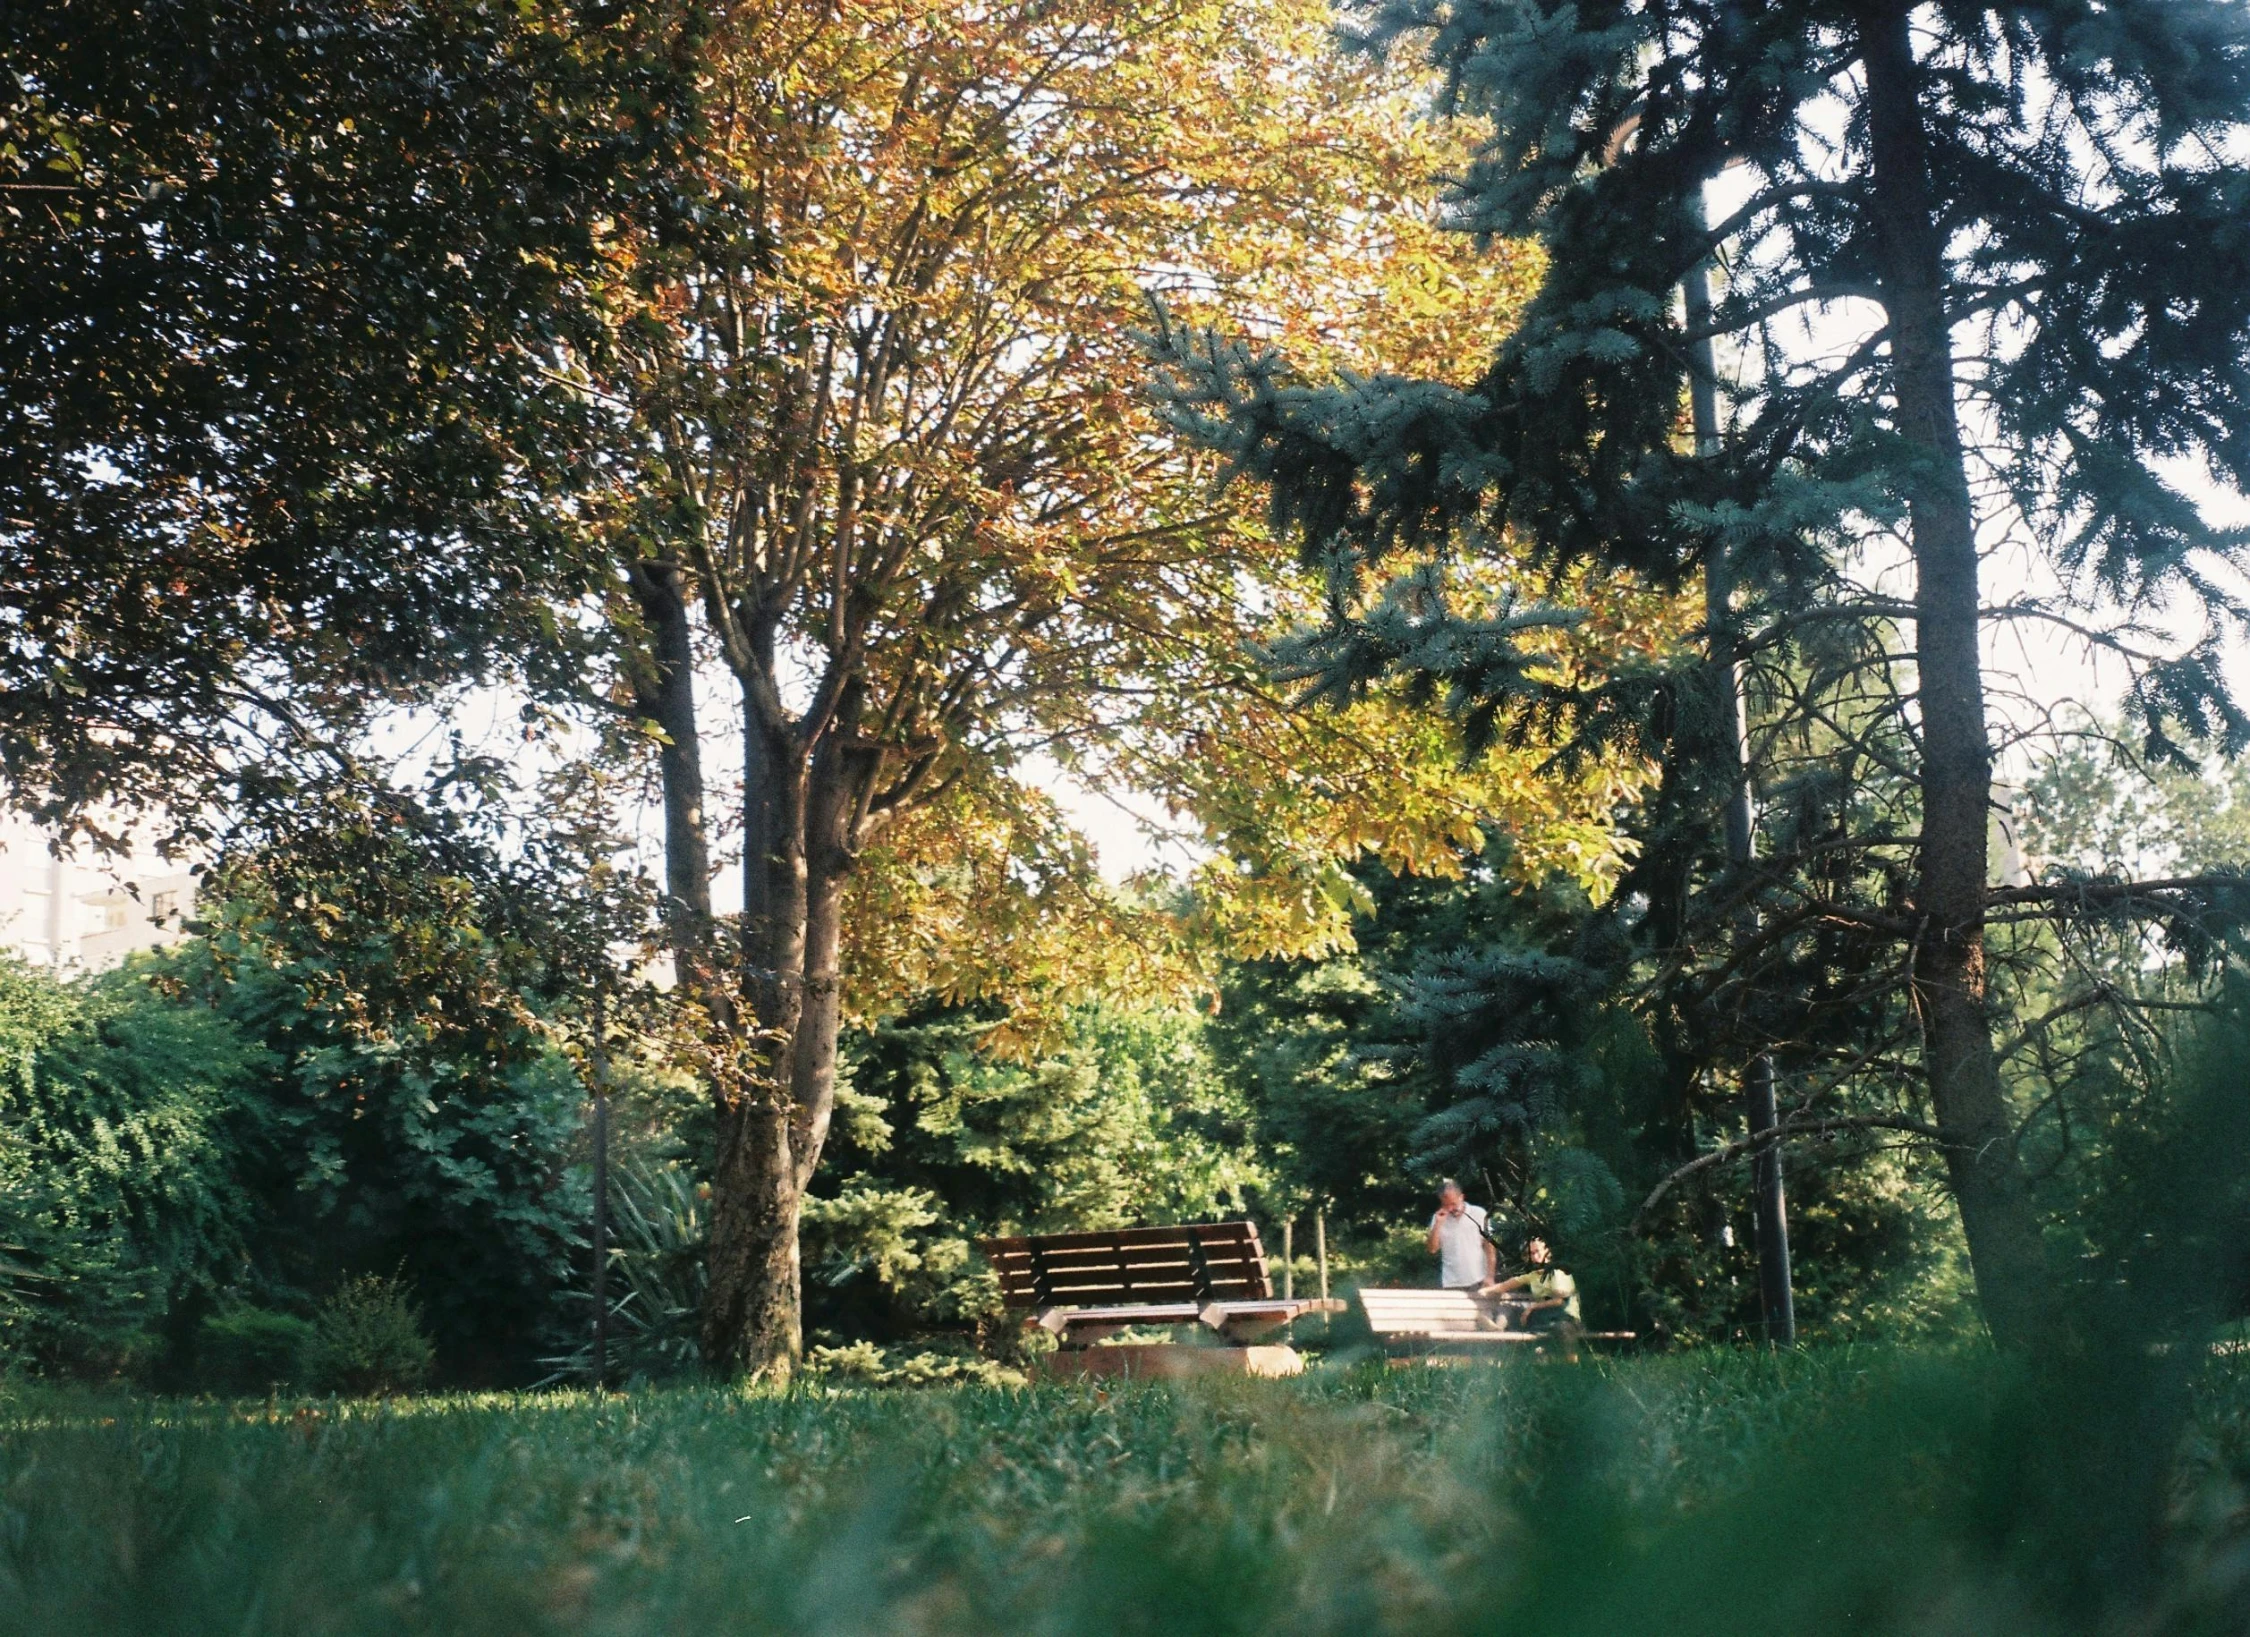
x=1416 y=1324
x=1085 y=1288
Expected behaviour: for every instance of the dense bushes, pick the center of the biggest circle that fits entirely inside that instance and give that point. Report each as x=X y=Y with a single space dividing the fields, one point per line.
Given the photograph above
x=197 y=1152
x=453 y=1169
x=252 y=1350
x=127 y=1126
x=367 y=1337
x=182 y=1147
x=200 y=1152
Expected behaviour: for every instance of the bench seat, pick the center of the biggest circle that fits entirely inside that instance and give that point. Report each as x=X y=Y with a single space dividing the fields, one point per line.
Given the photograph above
x=1420 y=1321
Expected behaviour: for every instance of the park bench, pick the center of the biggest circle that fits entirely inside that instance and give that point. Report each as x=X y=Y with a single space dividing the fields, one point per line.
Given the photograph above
x=1414 y=1325
x=1206 y=1278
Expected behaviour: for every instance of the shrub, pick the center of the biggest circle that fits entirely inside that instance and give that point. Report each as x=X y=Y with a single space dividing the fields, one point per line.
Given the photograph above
x=125 y=1121
x=656 y=1279
x=368 y=1339
x=864 y=1364
x=251 y=1349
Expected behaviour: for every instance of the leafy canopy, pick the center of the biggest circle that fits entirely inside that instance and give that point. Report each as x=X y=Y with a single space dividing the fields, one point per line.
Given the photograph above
x=283 y=285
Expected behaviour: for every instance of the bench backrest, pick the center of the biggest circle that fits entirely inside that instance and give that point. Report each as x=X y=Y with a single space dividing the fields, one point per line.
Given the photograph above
x=1196 y=1262
x=1419 y=1312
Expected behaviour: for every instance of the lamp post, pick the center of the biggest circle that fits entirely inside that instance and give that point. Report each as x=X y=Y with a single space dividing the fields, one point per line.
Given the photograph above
x=600 y=1064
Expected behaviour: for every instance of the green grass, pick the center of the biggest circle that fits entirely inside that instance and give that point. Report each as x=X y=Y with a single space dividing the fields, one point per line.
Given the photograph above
x=1841 y=1491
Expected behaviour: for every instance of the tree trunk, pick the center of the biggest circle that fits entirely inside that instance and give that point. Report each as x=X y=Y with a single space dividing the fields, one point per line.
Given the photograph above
x=1777 y=1299
x=833 y=821
x=2005 y=1250
x=665 y=694
x=800 y=817
x=753 y=1322
x=752 y=1316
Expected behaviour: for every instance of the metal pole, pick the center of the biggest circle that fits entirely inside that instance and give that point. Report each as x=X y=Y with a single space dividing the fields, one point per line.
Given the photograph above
x=1775 y=1297
x=1320 y=1247
x=600 y=1057
x=1288 y=1258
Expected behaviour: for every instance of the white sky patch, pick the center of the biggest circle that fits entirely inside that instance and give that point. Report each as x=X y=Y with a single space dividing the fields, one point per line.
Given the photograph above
x=1130 y=831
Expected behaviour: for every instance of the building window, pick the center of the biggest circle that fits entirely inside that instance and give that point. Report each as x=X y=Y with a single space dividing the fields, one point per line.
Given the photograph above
x=163 y=907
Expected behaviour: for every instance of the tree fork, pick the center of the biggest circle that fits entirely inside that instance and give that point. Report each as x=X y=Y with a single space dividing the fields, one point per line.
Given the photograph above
x=2005 y=1250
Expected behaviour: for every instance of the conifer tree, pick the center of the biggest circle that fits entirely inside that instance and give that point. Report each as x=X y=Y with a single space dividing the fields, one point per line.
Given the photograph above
x=1989 y=280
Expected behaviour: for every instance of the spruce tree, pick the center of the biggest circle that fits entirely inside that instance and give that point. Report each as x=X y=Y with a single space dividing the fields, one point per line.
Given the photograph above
x=1989 y=279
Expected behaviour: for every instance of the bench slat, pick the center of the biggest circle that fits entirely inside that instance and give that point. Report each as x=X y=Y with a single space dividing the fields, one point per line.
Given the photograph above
x=1449 y=1316
x=1214 y=1235
x=1449 y=1313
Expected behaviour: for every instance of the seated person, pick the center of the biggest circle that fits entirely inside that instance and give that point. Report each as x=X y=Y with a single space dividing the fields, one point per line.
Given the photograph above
x=1547 y=1297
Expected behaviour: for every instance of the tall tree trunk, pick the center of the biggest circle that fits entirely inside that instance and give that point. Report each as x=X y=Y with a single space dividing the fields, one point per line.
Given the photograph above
x=664 y=693
x=755 y=1196
x=2005 y=1251
x=1777 y=1298
x=801 y=816
x=752 y=1317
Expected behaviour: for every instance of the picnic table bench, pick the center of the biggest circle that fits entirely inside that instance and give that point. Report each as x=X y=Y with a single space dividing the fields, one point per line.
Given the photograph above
x=1086 y=1288
x=1418 y=1324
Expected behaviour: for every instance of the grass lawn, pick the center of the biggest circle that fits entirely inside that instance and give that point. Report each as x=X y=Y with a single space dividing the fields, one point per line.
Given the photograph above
x=1829 y=1492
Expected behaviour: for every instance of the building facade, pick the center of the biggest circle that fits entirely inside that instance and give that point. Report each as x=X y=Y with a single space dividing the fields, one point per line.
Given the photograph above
x=78 y=911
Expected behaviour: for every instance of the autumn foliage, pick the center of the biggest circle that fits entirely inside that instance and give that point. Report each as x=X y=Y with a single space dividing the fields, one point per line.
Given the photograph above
x=886 y=450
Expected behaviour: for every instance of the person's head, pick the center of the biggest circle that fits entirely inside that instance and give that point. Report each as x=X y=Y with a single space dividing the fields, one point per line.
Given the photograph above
x=1535 y=1252
x=1449 y=1193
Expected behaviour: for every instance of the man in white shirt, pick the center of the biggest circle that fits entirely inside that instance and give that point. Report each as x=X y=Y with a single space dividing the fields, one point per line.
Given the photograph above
x=1467 y=1260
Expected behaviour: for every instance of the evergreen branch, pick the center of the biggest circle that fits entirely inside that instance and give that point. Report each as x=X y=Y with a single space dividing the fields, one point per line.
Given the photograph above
x=1767 y=1138
x=1729 y=320
x=2089 y=893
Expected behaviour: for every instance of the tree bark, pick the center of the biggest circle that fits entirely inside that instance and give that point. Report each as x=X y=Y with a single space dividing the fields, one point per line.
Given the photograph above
x=753 y=1310
x=832 y=828
x=802 y=816
x=2005 y=1249
x=753 y=1321
x=664 y=693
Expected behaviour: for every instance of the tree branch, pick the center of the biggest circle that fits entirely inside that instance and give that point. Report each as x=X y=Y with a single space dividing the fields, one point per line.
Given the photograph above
x=1773 y=1134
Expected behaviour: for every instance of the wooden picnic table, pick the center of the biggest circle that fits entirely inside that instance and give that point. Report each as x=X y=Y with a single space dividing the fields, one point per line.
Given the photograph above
x=1087 y=1288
